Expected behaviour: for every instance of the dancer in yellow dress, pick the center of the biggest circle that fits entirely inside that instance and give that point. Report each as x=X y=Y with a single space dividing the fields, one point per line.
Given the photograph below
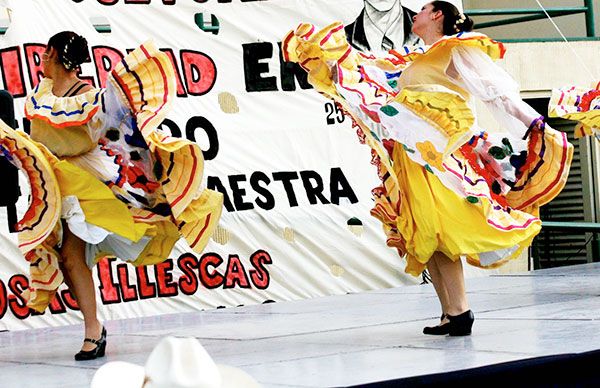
x=104 y=181
x=450 y=188
x=579 y=104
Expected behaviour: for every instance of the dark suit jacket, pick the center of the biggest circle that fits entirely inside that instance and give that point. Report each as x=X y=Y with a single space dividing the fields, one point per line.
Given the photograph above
x=355 y=32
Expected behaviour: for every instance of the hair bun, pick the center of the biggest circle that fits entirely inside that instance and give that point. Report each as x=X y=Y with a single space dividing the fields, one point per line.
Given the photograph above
x=75 y=52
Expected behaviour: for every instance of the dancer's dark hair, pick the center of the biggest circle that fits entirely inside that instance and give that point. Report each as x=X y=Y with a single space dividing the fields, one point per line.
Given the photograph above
x=454 y=20
x=72 y=49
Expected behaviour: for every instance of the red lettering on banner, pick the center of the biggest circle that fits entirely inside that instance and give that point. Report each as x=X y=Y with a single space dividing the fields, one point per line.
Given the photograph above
x=3 y=299
x=259 y=275
x=146 y=287
x=56 y=305
x=128 y=291
x=12 y=71
x=164 y=279
x=188 y=282
x=106 y=58
x=17 y=284
x=120 y=289
x=33 y=58
x=69 y=299
x=212 y=279
x=235 y=273
x=109 y=290
x=199 y=71
x=180 y=89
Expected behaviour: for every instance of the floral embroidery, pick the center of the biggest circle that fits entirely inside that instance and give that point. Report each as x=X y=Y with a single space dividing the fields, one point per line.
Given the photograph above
x=389 y=110
x=431 y=155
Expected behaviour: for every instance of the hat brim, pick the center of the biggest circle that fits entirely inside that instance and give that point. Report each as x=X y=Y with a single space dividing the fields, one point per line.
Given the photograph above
x=118 y=374
x=232 y=377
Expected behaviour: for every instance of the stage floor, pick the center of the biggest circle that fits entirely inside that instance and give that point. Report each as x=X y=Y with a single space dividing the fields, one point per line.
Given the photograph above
x=340 y=340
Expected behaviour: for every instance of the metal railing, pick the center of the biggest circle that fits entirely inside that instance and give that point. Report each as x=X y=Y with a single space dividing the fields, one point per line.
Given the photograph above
x=577 y=227
x=530 y=14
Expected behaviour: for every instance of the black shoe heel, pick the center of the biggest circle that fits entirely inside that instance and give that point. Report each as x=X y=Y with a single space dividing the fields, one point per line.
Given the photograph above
x=98 y=351
x=461 y=325
x=439 y=329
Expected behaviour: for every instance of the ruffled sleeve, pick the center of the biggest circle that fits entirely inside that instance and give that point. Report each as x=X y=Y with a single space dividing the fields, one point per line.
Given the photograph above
x=579 y=104
x=61 y=112
x=62 y=124
x=477 y=73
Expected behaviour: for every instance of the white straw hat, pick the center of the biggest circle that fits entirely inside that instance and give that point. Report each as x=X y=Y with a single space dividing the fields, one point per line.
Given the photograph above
x=174 y=363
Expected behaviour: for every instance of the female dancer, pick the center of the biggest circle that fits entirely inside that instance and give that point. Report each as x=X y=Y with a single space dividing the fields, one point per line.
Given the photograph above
x=104 y=182
x=450 y=189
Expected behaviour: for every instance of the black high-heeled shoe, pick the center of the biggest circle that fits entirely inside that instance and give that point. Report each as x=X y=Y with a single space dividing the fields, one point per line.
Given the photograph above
x=461 y=324
x=439 y=329
x=98 y=351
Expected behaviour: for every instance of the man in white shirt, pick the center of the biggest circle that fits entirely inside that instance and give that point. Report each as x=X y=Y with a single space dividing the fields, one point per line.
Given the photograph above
x=381 y=26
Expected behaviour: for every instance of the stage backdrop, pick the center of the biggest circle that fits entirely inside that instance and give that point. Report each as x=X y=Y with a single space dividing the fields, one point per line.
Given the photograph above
x=296 y=181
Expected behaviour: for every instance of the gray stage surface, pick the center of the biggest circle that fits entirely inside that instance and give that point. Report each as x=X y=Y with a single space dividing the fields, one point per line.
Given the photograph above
x=341 y=340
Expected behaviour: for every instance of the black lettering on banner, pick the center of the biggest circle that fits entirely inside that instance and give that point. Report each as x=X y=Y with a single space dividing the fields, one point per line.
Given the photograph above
x=173 y=128
x=213 y=139
x=239 y=193
x=286 y=178
x=144 y=2
x=259 y=275
x=214 y=183
x=290 y=72
x=268 y=201
x=164 y=279
x=188 y=282
x=236 y=273
x=334 y=113
x=254 y=69
x=340 y=187
x=312 y=182
x=313 y=191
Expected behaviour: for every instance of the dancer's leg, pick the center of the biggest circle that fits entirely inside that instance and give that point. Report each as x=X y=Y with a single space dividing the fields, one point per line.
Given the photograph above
x=438 y=284
x=452 y=276
x=82 y=283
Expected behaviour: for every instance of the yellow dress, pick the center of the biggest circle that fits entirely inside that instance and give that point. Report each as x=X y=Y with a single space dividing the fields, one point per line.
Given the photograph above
x=578 y=104
x=447 y=184
x=98 y=162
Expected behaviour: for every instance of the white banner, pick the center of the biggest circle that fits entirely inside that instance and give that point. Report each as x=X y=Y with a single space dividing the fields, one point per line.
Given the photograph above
x=292 y=170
